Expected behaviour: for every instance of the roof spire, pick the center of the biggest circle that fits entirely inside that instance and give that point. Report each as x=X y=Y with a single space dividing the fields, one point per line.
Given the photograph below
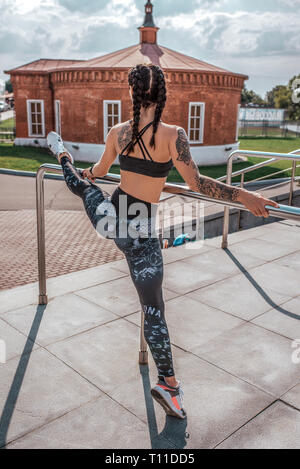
x=148 y=31
x=148 y=20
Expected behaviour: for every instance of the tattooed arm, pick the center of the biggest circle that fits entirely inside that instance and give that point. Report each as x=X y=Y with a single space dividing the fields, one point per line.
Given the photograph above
x=180 y=151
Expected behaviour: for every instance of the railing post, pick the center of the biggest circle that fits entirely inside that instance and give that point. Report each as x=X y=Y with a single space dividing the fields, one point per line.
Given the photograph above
x=239 y=212
x=40 y=213
x=143 y=354
x=226 y=209
x=292 y=182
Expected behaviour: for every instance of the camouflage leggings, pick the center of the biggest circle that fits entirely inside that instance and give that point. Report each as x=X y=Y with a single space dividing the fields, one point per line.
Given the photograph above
x=144 y=258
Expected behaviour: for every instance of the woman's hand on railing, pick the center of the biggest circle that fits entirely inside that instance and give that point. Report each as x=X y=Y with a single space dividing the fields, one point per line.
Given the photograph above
x=86 y=173
x=255 y=203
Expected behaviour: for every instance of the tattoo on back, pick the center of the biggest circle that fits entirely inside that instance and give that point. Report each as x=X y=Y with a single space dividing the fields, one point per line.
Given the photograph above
x=182 y=147
x=124 y=136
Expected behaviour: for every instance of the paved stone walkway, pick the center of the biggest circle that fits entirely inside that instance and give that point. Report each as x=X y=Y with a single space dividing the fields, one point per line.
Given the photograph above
x=71 y=245
x=72 y=380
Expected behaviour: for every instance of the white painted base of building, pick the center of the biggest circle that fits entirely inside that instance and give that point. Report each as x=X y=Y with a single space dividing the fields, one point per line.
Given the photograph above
x=91 y=152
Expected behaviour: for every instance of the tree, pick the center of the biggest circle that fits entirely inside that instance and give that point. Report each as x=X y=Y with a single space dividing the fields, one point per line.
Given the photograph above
x=250 y=97
x=280 y=97
x=8 y=86
x=293 y=107
x=270 y=95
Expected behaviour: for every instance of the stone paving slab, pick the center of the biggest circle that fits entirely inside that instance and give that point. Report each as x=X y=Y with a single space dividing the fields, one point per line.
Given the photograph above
x=256 y=355
x=292 y=261
x=19 y=296
x=25 y=295
x=64 y=316
x=276 y=428
x=103 y=355
x=276 y=236
x=118 y=296
x=277 y=277
x=263 y=249
x=14 y=340
x=292 y=397
x=201 y=270
x=290 y=225
x=284 y=319
x=239 y=296
x=87 y=428
x=283 y=225
x=222 y=263
x=36 y=390
x=192 y=323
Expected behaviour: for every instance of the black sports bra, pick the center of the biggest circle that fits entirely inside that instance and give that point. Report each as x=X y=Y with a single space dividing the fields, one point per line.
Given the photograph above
x=147 y=167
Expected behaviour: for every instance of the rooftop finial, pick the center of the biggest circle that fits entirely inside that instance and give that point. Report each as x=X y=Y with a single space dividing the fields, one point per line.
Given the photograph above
x=148 y=20
x=148 y=30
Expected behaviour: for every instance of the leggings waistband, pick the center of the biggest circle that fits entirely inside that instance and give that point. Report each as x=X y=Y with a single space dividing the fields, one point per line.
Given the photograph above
x=130 y=199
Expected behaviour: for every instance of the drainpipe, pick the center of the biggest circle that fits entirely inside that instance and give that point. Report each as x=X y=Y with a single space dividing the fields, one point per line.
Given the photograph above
x=52 y=102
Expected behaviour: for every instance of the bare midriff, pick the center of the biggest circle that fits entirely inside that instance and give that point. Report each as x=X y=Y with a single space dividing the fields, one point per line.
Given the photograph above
x=143 y=187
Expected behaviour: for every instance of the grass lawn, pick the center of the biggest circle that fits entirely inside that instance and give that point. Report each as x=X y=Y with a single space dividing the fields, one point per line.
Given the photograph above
x=30 y=159
x=8 y=124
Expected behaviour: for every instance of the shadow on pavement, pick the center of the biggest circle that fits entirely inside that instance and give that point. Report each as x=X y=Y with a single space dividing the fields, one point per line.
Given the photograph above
x=260 y=290
x=174 y=433
x=15 y=388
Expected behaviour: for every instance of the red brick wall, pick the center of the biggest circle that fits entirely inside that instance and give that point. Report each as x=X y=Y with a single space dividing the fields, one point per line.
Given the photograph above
x=31 y=87
x=82 y=107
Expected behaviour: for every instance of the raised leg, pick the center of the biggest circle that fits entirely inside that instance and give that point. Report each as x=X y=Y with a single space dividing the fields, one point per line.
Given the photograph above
x=91 y=195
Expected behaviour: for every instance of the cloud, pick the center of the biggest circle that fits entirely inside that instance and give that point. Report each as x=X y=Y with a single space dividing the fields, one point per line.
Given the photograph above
x=228 y=33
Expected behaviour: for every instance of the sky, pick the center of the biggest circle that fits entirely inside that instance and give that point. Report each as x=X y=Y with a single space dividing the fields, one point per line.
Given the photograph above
x=259 y=38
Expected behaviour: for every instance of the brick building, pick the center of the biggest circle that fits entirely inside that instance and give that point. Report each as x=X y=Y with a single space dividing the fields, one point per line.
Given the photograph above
x=82 y=99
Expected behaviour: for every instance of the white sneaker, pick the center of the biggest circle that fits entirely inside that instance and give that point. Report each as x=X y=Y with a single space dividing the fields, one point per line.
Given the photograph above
x=56 y=145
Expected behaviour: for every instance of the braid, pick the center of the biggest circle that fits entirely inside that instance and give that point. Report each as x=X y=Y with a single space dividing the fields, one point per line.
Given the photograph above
x=138 y=80
x=160 y=87
x=144 y=93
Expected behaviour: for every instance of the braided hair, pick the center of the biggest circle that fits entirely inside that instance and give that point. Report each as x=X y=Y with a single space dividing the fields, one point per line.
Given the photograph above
x=148 y=87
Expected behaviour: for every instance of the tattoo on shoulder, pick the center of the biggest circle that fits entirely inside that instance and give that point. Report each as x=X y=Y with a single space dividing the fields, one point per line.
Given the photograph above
x=182 y=147
x=124 y=135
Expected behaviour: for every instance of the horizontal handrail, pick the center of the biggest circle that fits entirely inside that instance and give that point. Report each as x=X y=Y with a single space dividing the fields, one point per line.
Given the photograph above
x=274 y=174
x=282 y=212
x=294 y=156
x=177 y=189
x=274 y=157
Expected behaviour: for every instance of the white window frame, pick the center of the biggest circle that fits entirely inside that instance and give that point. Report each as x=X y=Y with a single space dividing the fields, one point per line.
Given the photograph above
x=202 y=118
x=57 y=116
x=237 y=123
x=29 y=121
x=105 y=115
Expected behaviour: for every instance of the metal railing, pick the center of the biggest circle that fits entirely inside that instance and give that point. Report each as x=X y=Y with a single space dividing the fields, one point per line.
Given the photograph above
x=282 y=212
x=294 y=156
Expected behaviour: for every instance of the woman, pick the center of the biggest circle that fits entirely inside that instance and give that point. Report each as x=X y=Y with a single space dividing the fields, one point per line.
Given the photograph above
x=147 y=149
